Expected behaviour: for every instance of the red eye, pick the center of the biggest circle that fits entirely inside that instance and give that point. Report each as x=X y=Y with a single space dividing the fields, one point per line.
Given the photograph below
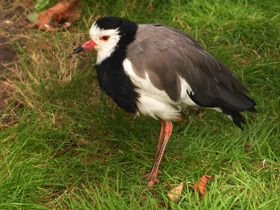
x=104 y=38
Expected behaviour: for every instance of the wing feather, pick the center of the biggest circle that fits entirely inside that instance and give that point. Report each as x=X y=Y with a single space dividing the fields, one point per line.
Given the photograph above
x=167 y=54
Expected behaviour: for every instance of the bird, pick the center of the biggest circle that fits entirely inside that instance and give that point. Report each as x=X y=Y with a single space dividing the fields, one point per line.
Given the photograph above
x=160 y=71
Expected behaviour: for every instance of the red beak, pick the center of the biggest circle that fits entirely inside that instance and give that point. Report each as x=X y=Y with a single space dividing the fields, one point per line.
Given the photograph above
x=86 y=46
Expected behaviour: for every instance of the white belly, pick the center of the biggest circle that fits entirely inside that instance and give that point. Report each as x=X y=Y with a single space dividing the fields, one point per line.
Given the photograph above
x=157 y=109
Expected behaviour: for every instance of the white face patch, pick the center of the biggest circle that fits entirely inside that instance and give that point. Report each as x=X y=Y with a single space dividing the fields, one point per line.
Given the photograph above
x=104 y=48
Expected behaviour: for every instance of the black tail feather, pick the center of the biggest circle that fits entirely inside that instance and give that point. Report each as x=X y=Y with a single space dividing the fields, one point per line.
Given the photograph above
x=236 y=117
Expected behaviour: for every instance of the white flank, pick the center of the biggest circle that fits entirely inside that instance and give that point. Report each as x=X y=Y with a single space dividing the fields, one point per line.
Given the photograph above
x=185 y=91
x=156 y=108
x=104 y=48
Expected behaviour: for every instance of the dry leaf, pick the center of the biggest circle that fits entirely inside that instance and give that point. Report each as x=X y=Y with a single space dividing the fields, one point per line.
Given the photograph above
x=65 y=10
x=175 y=192
x=201 y=186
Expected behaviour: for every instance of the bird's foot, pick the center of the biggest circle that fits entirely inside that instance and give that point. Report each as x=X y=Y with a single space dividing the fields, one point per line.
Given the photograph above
x=152 y=181
x=152 y=176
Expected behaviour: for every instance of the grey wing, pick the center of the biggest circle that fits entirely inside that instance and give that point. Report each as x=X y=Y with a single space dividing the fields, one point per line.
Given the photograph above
x=167 y=55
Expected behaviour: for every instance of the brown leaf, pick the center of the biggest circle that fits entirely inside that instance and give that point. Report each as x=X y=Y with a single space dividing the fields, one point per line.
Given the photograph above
x=201 y=185
x=65 y=10
x=175 y=192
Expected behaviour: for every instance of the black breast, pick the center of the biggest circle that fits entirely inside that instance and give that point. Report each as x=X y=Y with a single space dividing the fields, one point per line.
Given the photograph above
x=116 y=84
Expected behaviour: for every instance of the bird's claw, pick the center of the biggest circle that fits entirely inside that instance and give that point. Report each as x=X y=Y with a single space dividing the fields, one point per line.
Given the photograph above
x=152 y=181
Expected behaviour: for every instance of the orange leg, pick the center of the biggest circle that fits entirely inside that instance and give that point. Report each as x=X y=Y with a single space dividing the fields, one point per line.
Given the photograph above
x=161 y=148
x=160 y=140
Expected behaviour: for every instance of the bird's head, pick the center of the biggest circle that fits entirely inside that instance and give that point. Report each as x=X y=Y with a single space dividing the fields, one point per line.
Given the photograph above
x=107 y=35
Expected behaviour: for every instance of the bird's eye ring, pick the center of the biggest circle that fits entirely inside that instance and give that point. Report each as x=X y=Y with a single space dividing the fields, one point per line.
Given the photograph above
x=104 y=38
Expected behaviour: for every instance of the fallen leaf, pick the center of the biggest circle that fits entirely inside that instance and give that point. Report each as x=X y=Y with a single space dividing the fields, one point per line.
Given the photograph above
x=66 y=10
x=201 y=185
x=174 y=193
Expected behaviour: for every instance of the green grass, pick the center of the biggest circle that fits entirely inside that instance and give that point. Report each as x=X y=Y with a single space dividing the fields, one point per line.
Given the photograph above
x=70 y=147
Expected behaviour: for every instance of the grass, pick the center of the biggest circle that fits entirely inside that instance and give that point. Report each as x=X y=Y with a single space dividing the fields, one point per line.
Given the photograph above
x=67 y=146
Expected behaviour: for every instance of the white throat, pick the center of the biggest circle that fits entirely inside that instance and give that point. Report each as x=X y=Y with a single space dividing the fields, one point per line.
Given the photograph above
x=104 y=48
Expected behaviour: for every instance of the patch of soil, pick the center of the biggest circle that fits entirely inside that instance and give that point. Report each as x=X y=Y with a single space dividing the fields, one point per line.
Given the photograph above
x=7 y=54
x=12 y=26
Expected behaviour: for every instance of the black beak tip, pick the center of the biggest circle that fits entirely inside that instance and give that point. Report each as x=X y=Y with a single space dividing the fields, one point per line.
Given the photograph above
x=78 y=49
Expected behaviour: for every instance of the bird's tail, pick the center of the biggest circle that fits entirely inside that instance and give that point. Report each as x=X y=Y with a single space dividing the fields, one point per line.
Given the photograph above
x=236 y=117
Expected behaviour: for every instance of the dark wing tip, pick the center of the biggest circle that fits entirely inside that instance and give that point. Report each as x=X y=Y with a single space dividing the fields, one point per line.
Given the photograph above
x=252 y=109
